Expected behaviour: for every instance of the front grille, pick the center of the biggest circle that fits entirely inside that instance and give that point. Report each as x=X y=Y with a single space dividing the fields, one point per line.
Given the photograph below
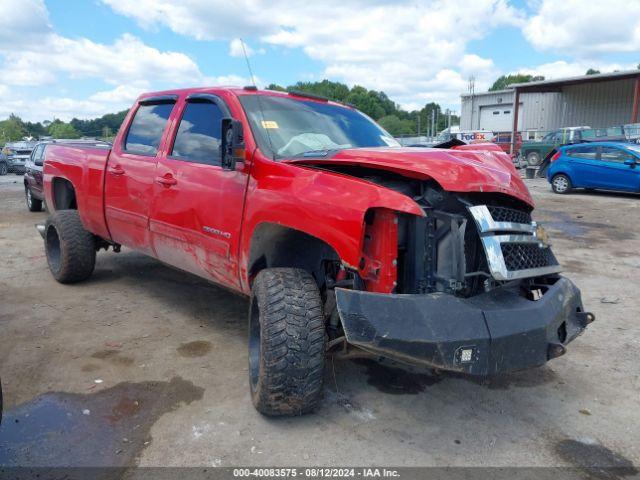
x=504 y=214
x=523 y=256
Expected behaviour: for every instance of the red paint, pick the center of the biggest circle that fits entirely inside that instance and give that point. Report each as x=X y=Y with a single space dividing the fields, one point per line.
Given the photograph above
x=161 y=206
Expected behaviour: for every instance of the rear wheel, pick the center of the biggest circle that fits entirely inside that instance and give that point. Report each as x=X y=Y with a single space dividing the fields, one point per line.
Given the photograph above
x=560 y=183
x=33 y=204
x=70 y=249
x=286 y=342
x=533 y=159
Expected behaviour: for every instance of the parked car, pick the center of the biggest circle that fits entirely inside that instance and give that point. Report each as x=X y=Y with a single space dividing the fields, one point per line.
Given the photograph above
x=33 y=187
x=598 y=165
x=532 y=152
x=4 y=166
x=341 y=238
x=503 y=140
x=17 y=154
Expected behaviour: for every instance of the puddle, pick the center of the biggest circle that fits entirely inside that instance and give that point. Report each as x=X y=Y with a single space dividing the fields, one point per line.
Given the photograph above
x=194 y=349
x=597 y=461
x=106 y=428
x=396 y=381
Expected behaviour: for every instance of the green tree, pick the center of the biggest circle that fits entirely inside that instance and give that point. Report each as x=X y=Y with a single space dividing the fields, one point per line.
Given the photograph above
x=592 y=71
x=397 y=126
x=276 y=87
x=12 y=129
x=60 y=129
x=505 y=80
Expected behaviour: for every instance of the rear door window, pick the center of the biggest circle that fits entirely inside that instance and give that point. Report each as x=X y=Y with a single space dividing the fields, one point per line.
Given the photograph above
x=199 y=134
x=146 y=129
x=588 y=153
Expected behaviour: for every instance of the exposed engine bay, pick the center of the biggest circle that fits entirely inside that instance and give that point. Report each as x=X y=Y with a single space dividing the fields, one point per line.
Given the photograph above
x=466 y=244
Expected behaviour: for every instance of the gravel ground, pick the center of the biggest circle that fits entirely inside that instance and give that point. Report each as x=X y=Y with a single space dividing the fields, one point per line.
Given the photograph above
x=143 y=364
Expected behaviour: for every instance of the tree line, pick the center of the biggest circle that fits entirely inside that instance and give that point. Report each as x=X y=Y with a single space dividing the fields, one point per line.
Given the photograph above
x=105 y=127
x=379 y=106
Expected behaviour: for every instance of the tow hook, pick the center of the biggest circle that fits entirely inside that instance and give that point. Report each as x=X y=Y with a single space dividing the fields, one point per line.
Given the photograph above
x=556 y=350
x=40 y=227
x=585 y=318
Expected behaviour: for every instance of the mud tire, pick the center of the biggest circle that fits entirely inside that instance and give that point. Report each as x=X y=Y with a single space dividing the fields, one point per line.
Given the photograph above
x=70 y=249
x=286 y=342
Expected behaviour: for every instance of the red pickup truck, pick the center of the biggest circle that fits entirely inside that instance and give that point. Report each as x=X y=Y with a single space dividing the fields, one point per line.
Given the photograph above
x=342 y=239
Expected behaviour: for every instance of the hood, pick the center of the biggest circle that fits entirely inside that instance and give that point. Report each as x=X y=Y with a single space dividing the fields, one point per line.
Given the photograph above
x=456 y=170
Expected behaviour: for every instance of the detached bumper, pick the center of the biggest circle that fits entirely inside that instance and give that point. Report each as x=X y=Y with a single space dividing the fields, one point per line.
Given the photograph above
x=495 y=332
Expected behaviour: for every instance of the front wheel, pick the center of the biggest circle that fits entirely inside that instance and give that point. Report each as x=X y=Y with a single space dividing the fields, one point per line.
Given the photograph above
x=560 y=183
x=33 y=204
x=3 y=169
x=286 y=342
x=533 y=159
x=70 y=249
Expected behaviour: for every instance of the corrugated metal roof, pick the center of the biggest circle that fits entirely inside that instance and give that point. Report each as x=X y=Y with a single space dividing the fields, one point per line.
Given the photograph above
x=560 y=82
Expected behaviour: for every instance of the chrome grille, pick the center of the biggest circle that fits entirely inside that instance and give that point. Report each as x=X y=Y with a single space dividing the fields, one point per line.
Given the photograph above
x=510 y=243
x=523 y=256
x=504 y=214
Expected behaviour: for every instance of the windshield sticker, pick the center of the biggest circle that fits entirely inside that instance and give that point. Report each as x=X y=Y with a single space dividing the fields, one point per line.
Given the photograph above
x=269 y=124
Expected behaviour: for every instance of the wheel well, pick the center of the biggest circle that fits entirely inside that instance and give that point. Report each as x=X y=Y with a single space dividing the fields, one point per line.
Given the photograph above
x=278 y=246
x=64 y=195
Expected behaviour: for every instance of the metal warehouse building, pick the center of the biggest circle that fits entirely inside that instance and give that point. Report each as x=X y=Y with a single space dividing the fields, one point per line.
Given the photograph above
x=600 y=100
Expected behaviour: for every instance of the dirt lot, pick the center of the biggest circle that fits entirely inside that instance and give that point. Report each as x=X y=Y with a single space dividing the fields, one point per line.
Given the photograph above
x=145 y=364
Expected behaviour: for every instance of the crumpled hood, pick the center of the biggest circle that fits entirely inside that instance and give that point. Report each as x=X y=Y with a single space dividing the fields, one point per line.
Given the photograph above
x=457 y=170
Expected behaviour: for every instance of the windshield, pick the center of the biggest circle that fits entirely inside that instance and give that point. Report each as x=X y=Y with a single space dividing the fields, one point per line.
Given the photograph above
x=286 y=128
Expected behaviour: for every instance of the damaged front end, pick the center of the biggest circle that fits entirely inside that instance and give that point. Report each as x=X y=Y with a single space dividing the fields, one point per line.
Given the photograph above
x=474 y=288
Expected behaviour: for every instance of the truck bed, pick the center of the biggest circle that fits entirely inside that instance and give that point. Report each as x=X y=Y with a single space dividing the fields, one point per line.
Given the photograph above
x=84 y=167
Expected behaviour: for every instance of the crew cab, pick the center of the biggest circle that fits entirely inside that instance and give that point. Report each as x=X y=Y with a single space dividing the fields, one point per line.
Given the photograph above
x=344 y=241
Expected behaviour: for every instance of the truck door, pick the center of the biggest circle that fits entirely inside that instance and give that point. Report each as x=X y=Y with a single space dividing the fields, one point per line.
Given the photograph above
x=131 y=168
x=197 y=207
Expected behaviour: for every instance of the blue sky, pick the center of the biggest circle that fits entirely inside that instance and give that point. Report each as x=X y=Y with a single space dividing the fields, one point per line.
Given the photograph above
x=66 y=58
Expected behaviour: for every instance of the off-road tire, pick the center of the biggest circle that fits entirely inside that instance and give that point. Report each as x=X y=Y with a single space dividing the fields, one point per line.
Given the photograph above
x=286 y=342
x=33 y=204
x=533 y=159
x=70 y=249
x=4 y=169
x=560 y=183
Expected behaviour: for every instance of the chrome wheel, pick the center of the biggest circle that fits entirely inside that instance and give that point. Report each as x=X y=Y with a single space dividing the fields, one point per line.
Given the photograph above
x=29 y=199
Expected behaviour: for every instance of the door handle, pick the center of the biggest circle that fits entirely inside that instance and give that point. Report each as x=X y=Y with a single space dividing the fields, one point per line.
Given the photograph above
x=167 y=180
x=116 y=170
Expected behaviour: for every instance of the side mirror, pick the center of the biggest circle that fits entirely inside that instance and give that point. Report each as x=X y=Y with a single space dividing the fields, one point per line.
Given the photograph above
x=38 y=162
x=630 y=162
x=231 y=144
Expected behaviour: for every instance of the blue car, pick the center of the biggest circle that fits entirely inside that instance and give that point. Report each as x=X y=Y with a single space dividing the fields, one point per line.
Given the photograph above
x=597 y=165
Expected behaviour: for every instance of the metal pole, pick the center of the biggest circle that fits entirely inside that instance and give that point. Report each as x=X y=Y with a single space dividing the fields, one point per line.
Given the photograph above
x=636 y=101
x=516 y=107
x=433 y=122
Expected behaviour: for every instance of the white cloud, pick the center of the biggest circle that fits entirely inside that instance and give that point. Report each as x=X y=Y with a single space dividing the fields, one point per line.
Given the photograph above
x=236 y=50
x=32 y=54
x=585 y=29
x=400 y=47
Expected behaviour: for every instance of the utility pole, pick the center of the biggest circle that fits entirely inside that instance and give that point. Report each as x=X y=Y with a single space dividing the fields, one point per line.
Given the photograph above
x=449 y=119
x=418 y=123
x=433 y=122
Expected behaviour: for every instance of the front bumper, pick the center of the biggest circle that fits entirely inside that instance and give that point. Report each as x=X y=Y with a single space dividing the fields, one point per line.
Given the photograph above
x=494 y=332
